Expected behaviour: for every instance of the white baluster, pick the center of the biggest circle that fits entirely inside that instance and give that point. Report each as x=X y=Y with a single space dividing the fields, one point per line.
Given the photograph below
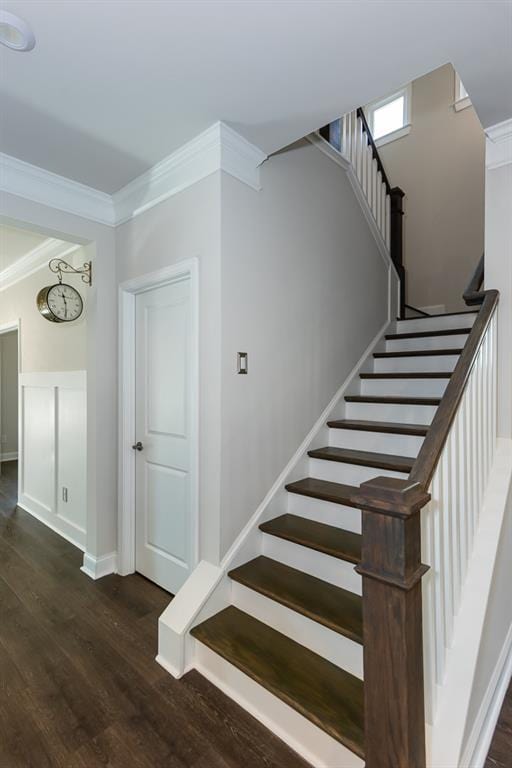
x=364 y=162
x=359 y=150
x=383 y=211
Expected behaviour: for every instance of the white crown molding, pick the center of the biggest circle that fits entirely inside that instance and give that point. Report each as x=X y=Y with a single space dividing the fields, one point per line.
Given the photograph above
x=36 y=184
x=34 y=260
x=218 y=148
x=498 y=145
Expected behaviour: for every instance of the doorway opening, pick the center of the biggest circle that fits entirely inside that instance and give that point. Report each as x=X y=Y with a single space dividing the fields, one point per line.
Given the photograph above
x=9 y=421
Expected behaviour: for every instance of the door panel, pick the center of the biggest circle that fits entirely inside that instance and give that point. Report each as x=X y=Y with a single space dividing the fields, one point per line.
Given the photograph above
x=163 y=423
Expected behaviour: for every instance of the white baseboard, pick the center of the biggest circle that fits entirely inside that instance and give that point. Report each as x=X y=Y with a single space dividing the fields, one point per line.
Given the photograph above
x=42 y=519
x=98 y=567
x=12 y=456
x=483 y=728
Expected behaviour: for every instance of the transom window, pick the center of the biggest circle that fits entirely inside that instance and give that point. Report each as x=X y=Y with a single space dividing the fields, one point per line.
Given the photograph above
x=389 y=118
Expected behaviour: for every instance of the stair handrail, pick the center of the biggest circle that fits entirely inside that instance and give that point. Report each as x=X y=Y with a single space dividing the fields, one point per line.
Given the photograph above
x=395 y=652
x=430 y=452
x=351 y=136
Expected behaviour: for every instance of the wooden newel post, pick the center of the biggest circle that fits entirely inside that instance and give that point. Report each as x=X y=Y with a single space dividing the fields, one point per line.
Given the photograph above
x=397 y=239
x=392 y=620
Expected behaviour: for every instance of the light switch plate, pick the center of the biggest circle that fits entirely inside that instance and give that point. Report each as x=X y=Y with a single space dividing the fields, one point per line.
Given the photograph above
x=242 y=360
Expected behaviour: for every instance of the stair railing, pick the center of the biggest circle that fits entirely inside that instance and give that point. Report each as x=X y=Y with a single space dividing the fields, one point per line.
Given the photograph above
x=352 y=137
x=406 y=636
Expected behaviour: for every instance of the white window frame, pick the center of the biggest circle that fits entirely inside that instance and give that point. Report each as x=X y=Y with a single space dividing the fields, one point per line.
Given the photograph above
x=371 y=108
x=461 y=101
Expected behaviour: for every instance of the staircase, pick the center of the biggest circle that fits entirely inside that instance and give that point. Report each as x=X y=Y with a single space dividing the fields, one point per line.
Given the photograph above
x=295 y=623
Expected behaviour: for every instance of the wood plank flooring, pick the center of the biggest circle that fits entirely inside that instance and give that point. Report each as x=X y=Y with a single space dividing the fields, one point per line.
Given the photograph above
x=79 y=687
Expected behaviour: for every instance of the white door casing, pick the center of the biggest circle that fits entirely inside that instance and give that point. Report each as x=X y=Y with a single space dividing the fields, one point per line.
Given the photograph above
x=158 y=529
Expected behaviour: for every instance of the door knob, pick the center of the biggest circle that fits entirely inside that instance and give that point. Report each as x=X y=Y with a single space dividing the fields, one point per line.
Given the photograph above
x=138 y=446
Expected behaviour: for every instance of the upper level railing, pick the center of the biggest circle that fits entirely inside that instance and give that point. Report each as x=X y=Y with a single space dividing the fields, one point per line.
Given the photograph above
x=405 y=633
x=352 y=137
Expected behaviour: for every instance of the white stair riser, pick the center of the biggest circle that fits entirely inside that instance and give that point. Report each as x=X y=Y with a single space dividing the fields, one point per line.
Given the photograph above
x=378 y=442
x=336 y=648
x=348 y=518
x=415 y=364
x=426 y=342
x=351 y=474
x=406 y=387
x=338 y=572
x=464 y=320
x=402 y=413
x=295 y=730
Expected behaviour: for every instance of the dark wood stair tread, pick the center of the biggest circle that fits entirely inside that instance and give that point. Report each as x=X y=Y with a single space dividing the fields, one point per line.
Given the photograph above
x=364 y=458
x=328 y=696
x=426 y=334
x=336 y=542
x=407 y=375
x=393 y=400
x=419 y=353
x=338 y=493
x=390 y=427
x=334 y=607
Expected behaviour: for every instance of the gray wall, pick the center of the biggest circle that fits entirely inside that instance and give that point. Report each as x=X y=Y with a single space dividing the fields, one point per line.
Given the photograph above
x=289 y=274
x=440 y=167
x=184 y=226
x=9 y=392
x=46 y=346
x=304 y=290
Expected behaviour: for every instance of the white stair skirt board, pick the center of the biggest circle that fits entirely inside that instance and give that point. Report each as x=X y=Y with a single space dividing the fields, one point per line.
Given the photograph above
x=98 y=567
x=378 y=442
x=322 y=751
x=340 y=650
x=453 y=341
x=324 y=567
x=453 y=697
x=462 y=320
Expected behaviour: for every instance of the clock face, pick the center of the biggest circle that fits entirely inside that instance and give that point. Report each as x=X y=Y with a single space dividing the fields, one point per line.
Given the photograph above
x=64 y=303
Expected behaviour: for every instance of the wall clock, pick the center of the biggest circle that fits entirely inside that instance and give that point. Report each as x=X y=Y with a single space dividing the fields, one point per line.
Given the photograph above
x=61 y=303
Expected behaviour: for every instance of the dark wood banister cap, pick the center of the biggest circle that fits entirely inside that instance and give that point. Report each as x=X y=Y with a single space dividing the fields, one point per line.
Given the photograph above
x=391 y=496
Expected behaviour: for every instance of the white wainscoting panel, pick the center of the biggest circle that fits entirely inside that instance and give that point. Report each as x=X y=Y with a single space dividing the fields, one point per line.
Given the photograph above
x=53 y=451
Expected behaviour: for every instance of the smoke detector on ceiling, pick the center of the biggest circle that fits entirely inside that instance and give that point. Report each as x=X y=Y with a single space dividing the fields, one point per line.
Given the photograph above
x=15 y=33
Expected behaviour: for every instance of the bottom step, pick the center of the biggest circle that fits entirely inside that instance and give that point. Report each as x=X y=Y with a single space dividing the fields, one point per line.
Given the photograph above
x=326 y=695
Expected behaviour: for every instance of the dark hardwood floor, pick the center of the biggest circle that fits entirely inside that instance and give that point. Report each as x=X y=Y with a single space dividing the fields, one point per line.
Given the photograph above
x=79 y=686
x=500 y=753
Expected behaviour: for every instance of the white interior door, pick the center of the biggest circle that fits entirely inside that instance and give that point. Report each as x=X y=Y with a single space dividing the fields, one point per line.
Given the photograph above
x=164 y=524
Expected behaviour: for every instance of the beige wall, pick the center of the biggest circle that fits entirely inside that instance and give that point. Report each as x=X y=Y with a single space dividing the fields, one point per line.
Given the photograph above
x=304 y=291
x=440 y=167
x=45 y=346
x=9 y=392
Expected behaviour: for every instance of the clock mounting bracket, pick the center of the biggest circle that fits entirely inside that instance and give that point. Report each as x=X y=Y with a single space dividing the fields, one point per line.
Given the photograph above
x=60 y=267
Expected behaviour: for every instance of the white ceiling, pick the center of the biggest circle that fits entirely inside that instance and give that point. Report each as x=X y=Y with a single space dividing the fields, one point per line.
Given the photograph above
x=16 y=243
x=114 y=86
